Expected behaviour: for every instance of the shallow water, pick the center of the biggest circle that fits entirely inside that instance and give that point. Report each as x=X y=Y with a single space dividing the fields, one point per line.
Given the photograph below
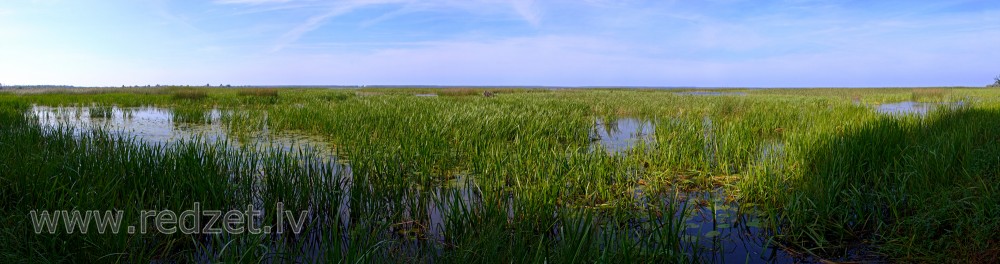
x=722 y=232
x=158 y=126
x=904 y=108
x=917 y=108
x=621 y=135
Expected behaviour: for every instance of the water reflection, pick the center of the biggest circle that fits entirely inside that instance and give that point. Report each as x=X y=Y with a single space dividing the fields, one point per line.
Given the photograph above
x=163 y=126
x=721 y=231
x=913 y=108
x=904 y=108
x=620 y=135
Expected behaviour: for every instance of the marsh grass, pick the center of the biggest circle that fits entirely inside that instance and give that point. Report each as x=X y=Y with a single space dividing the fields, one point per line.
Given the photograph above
x=929 y=95
x=453 y=92
x=189 y=94
x=822 y=170
x=888 y=180
x=260 y=92
x=258 y=96
x=101 y=112
x=193 y=115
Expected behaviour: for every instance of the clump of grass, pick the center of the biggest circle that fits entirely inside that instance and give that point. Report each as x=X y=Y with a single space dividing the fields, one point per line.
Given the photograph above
x=338 y=96
x=487 y=92
x=929 y=95
x=101 y=112
x=459 y=92
x=193 y=115
x=258 y=96
x=259 y=92
x=190 y=94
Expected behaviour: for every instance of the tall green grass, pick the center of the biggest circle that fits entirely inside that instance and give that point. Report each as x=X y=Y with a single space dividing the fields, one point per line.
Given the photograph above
x=515 y=178
x=923 y=189
x=388 y=207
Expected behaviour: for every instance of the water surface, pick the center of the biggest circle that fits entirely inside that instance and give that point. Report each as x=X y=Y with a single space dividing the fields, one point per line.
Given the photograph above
x=159 y=126
x=620 y=135
x=914 y=108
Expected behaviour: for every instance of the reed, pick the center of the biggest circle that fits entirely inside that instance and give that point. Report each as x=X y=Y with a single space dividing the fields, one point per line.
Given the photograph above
x=929 y=95
x=261 y=92
x=189 y=94
x=516 y=177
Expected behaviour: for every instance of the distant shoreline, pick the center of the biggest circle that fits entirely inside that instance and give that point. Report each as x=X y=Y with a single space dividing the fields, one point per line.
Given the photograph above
x=26 y=87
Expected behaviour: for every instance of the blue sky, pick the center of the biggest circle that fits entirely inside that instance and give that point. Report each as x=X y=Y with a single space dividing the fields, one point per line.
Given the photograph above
x=710 y=43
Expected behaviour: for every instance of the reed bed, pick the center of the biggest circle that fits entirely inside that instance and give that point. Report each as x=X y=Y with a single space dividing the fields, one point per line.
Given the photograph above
x=929 y=95
x=516 y=177
x=189 y=94
x=261 y=92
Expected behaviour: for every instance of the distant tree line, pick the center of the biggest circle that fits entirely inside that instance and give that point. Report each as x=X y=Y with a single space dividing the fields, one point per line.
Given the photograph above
x=5 y=86
x=172 y=86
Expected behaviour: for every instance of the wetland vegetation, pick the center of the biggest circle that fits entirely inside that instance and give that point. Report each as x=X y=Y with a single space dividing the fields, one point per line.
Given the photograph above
x=522 y=175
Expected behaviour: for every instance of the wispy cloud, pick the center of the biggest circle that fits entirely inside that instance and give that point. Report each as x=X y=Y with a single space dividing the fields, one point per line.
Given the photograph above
x=251 y=2
x=528 y=11
x=311 y=24
x=159 y=7
x=486 y=42
x=331 y=9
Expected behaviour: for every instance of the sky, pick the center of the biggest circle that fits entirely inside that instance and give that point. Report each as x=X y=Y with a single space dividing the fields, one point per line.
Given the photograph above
x=702 y=43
